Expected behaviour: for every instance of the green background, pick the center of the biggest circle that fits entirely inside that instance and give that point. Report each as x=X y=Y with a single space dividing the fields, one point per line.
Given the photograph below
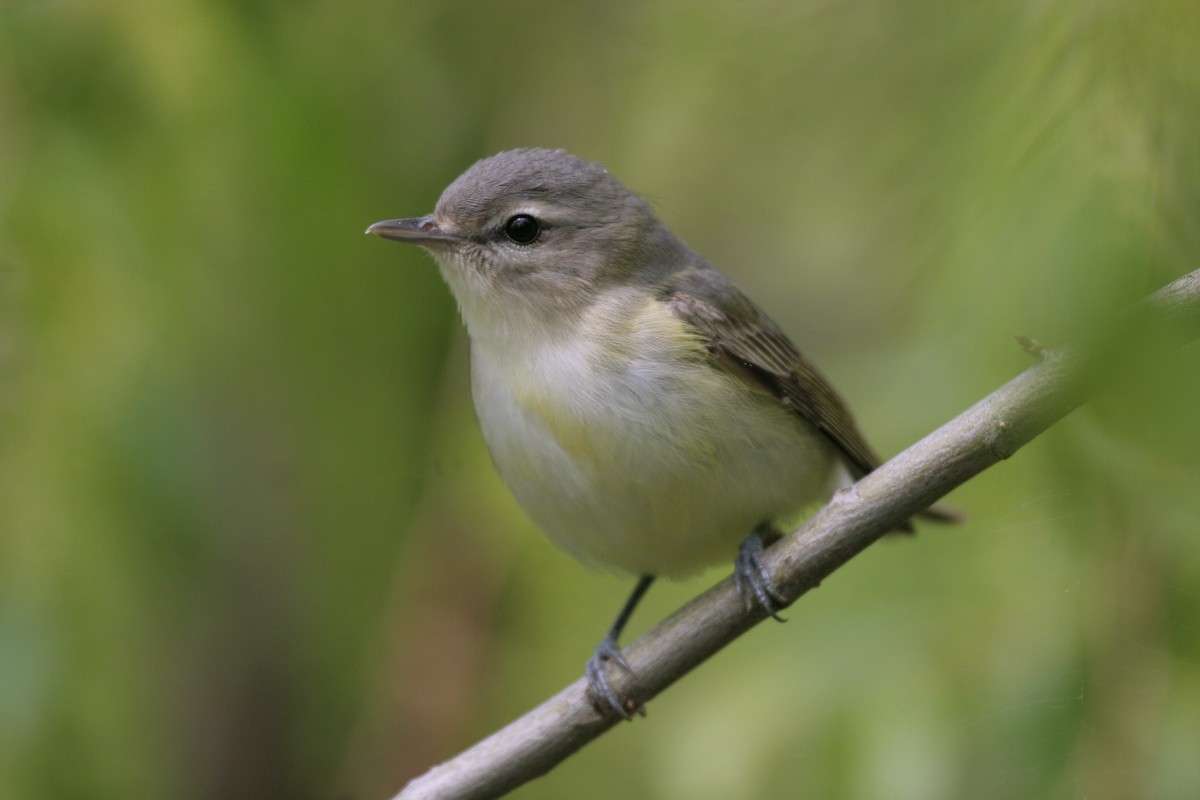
x=251 y=544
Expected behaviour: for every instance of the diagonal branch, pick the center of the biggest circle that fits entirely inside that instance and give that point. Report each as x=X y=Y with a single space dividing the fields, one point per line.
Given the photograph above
x=992 y=430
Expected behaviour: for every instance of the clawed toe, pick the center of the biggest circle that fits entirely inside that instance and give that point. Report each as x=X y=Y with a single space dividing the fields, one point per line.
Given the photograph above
x=752 y=580
x=604 y=695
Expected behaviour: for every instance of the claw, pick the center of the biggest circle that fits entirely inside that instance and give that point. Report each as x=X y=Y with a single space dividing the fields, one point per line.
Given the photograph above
x=752 y=580
x=604 y=696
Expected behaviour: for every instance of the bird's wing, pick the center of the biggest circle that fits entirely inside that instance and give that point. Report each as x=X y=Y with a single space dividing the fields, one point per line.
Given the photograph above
x=743 y=340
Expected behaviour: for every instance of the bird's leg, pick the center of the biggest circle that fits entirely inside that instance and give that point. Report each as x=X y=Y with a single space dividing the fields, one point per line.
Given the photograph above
x=753 y=582
x=604 y=696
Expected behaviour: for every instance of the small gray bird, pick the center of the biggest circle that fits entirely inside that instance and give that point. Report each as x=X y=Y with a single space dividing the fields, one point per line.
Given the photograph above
x=646 y=414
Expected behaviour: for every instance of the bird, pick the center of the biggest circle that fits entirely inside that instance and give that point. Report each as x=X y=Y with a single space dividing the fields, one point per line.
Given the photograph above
x=645 y=413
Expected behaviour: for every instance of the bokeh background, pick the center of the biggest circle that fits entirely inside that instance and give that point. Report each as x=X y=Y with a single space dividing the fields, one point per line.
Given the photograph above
x=251 y=545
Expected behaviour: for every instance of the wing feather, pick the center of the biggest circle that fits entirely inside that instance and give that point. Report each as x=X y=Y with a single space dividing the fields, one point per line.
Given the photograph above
x=744 y=341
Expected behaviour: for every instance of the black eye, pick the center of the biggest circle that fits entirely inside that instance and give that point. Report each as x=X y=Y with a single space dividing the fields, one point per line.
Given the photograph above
x=522 y=229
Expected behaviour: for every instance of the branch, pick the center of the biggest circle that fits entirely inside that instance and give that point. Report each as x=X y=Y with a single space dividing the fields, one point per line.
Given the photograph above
x=992 y=430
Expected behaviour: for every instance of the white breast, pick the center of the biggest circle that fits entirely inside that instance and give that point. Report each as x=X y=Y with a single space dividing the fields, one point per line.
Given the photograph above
x=645 y=456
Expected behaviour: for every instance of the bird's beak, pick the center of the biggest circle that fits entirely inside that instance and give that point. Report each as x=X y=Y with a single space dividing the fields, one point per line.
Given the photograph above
x=419 y=230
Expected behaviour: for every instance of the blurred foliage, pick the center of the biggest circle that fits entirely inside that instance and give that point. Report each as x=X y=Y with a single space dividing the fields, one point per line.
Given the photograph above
x=250 y=542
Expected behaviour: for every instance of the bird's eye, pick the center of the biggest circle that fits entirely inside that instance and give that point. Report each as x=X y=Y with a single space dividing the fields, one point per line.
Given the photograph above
x=522 y=229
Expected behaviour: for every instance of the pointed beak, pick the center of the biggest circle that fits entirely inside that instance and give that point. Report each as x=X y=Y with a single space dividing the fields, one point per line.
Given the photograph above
x=418 y=230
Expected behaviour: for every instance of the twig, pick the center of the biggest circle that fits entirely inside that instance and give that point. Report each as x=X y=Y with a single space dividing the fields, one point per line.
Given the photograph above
x=992 y=430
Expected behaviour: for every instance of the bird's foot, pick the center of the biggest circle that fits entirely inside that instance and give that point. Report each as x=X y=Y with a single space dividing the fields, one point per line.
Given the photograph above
x=605 y=698
x=750 y=576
